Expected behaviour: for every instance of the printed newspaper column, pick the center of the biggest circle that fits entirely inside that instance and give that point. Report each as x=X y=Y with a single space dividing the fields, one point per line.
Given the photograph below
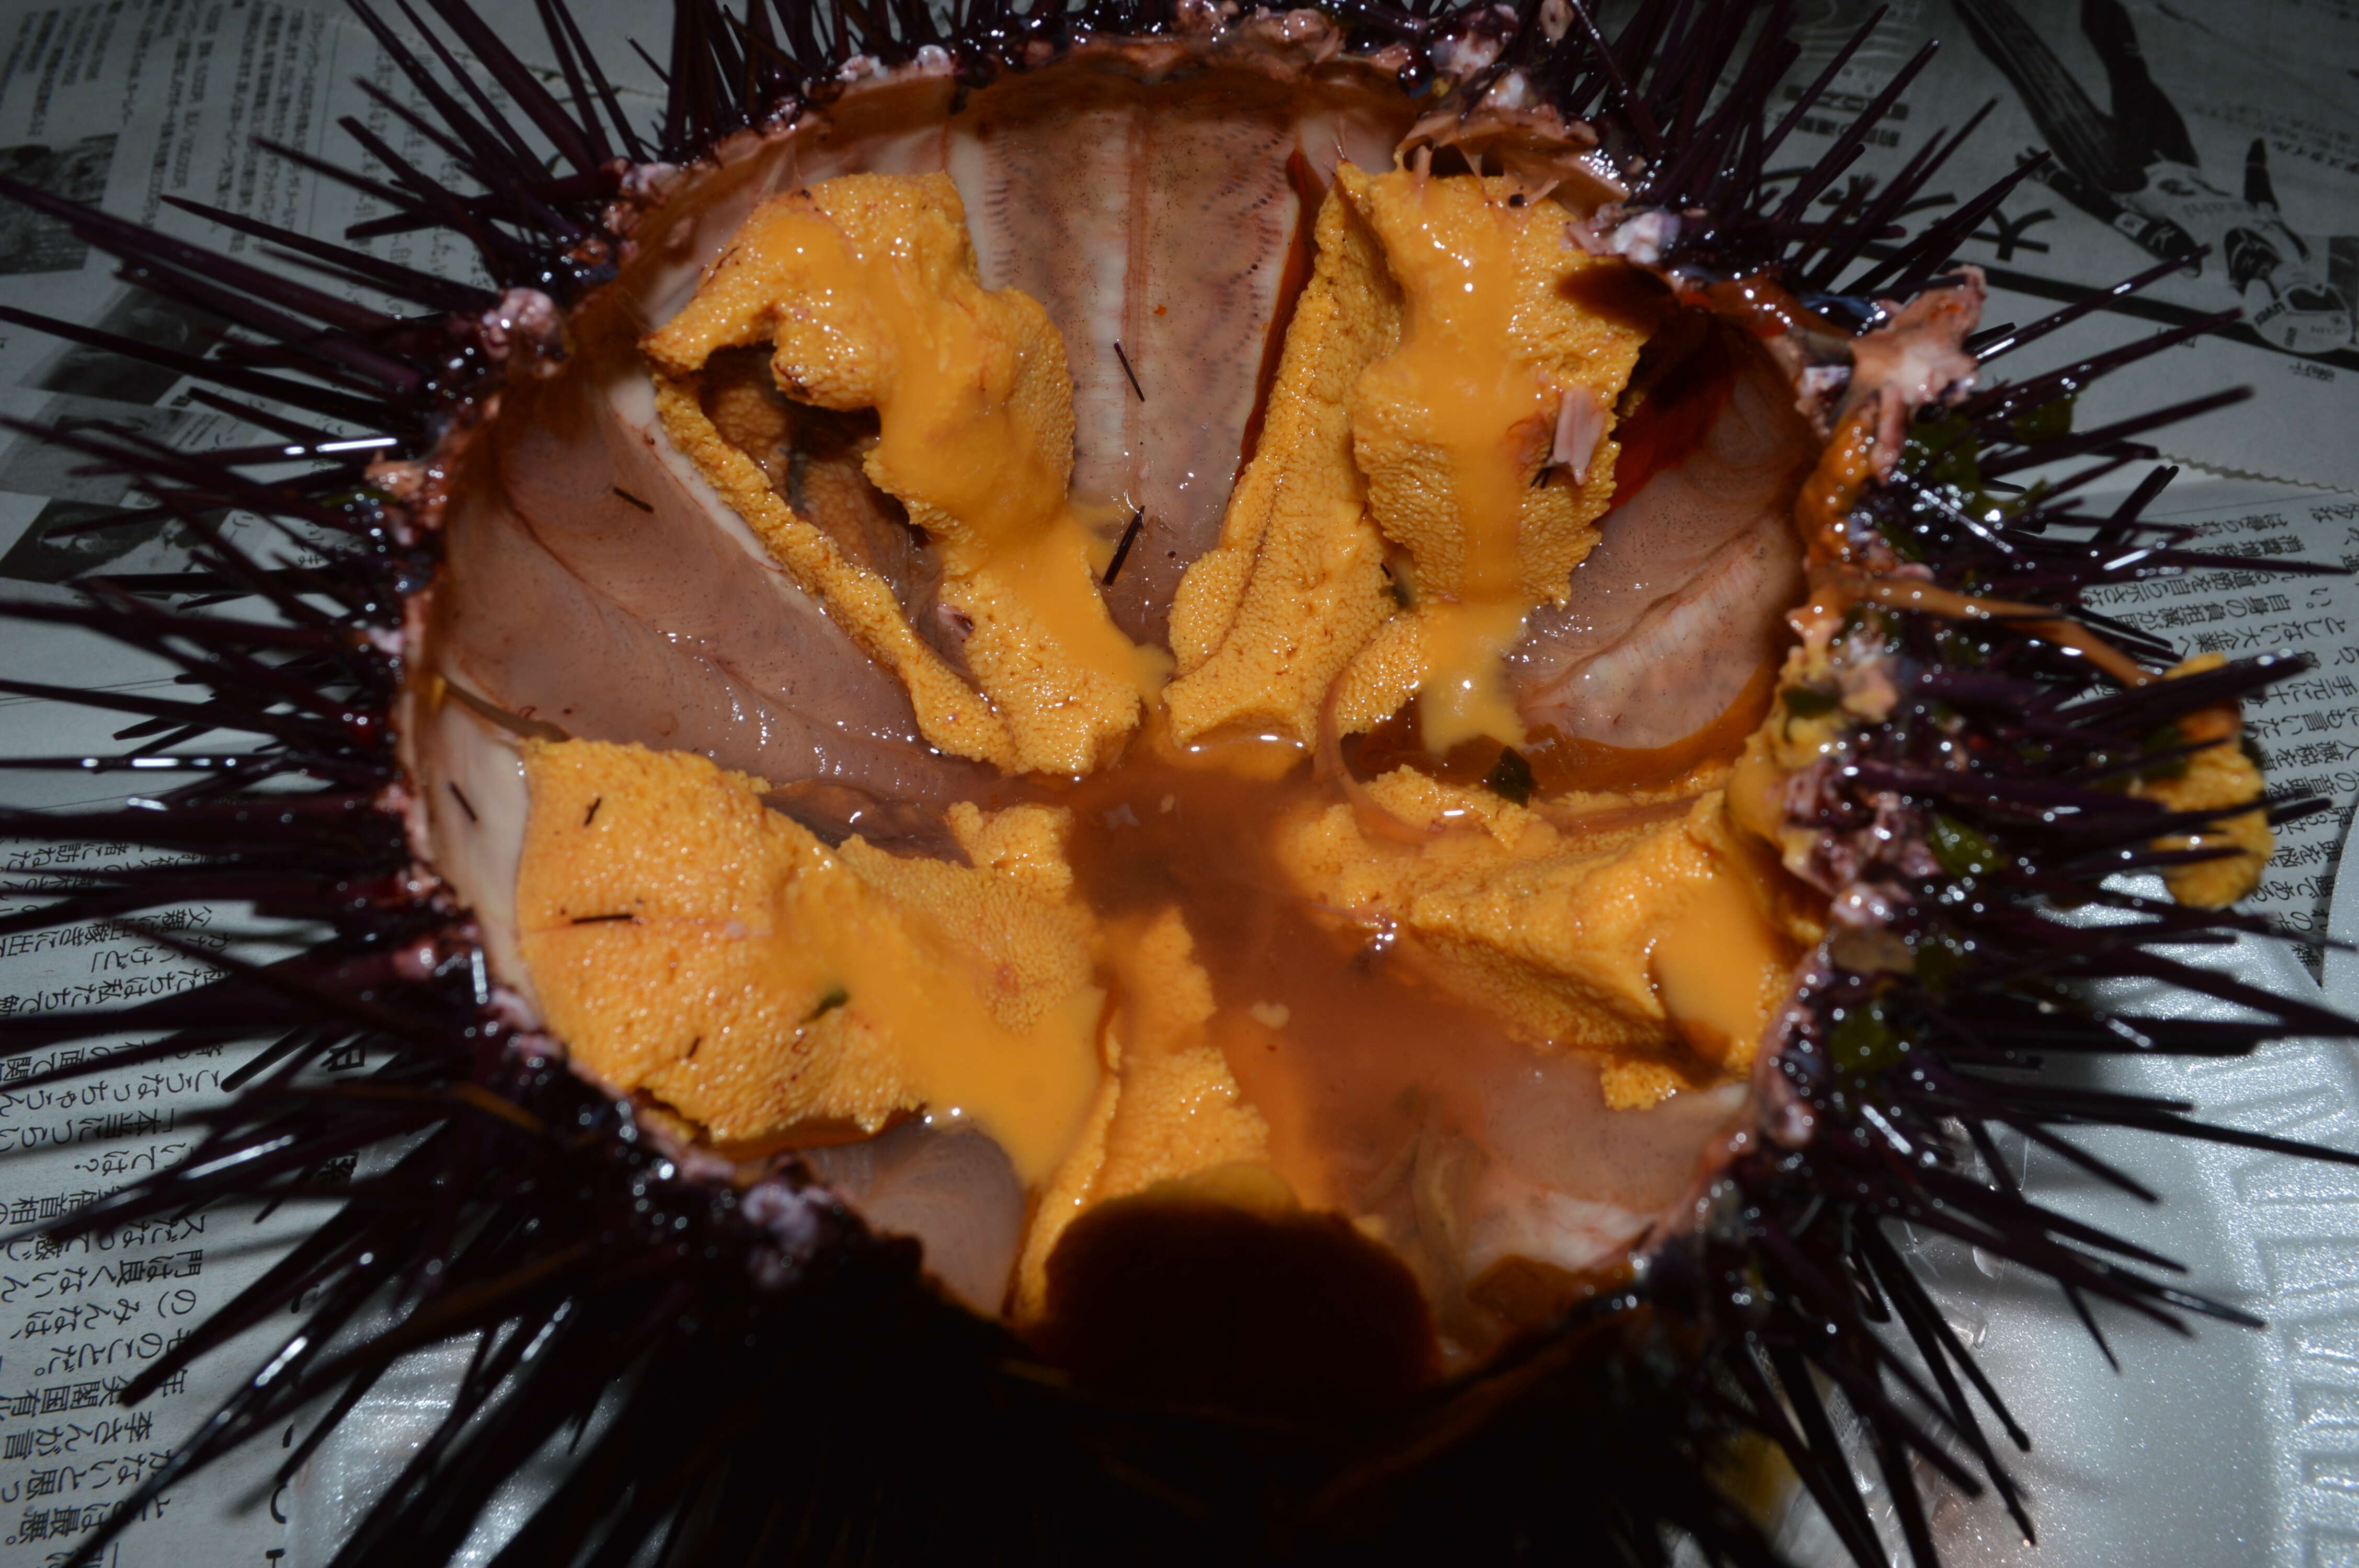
x=80 y=1318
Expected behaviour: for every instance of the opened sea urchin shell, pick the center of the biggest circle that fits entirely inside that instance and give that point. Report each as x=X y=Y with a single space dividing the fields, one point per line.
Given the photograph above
x=1288 y=805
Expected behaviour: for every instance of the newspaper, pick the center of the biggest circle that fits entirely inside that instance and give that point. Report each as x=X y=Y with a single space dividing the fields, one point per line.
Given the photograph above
x=128 y=103
x=2167 y=127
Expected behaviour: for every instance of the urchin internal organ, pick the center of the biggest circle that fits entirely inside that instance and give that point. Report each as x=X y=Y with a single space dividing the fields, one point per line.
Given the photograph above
x=1330 y=741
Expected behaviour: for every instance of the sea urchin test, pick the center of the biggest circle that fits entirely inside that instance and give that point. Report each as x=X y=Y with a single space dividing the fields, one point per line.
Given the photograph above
x=1292 y=785
x=1265 y=694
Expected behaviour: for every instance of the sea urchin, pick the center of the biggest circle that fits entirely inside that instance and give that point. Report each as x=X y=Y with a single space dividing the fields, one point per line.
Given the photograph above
x=1157 y=781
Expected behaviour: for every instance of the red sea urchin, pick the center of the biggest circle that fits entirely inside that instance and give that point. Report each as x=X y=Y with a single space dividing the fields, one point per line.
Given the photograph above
x=1954 y=750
